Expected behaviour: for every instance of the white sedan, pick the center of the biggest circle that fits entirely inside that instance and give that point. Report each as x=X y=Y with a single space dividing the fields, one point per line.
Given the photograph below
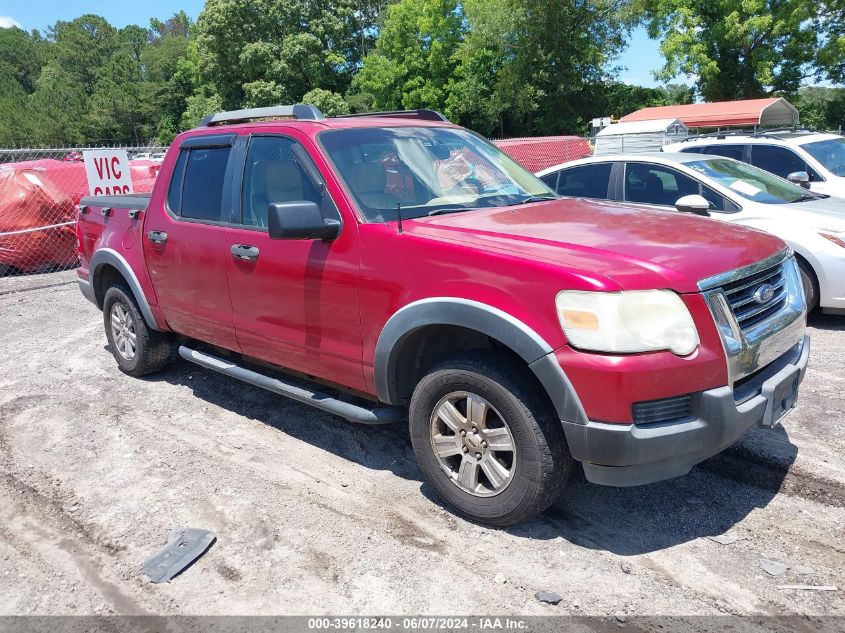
x=812 y=224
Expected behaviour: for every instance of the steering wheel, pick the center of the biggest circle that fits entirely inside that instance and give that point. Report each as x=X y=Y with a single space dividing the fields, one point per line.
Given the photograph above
x=471 y=181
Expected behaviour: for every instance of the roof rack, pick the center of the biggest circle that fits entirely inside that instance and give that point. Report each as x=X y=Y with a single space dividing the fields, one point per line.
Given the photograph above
x=425 y=115
x=298 y=111
x=752 y=133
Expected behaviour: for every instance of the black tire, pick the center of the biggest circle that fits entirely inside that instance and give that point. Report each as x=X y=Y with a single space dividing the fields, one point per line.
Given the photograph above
x=541 y=459
x=153 y=350
x=811 y=285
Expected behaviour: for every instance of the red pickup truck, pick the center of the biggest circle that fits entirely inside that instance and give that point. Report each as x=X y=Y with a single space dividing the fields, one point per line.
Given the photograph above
x=394 y=266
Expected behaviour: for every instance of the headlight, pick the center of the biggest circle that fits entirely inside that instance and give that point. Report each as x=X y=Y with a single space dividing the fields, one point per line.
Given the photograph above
x=627 y=322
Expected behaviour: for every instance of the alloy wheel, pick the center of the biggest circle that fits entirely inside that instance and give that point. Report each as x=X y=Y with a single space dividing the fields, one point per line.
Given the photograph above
x=123 y=331
x=473 y=444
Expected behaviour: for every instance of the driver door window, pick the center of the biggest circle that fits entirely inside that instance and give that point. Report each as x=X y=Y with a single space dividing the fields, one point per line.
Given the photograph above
x=717 y=201
x=655 y=184
x=272 y=175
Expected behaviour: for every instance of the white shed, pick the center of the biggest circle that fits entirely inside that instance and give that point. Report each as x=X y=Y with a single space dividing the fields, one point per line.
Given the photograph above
x=639 y=136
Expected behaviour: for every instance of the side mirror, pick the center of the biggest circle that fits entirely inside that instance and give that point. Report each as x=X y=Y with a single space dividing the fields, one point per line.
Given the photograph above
x=801 y=178
x=693 y=204
x=301 y=220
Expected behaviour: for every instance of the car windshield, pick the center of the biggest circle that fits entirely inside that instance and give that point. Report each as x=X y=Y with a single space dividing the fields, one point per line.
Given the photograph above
x=830 y=153
x=751 y=182
x=427 y=171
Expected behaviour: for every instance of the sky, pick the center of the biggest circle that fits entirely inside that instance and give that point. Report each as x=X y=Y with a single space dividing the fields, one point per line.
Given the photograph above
x=639 y=59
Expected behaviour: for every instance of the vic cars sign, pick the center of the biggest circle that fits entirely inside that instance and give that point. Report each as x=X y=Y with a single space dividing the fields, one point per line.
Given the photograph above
x=107 y=171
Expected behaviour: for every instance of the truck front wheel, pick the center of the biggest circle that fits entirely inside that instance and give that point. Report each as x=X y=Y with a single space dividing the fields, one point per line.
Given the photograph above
x=486 y=440
x=137 y=349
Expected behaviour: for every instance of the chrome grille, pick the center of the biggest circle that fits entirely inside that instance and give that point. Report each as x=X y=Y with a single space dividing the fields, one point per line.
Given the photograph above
x=747 y=296
x=756 y=333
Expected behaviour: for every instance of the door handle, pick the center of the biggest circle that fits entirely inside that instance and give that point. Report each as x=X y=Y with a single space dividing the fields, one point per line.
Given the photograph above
x=157 y=237
x=245 y=252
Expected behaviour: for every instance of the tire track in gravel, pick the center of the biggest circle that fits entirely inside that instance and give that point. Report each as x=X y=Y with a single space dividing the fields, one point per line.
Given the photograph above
x=37 y=526
x=302 y=483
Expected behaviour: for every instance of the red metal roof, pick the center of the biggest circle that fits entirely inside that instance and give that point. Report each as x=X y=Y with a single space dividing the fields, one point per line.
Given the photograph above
x=771 y=111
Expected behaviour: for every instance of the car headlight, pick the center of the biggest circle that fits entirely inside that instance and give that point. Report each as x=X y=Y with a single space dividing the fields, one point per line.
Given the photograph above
x=627 y=322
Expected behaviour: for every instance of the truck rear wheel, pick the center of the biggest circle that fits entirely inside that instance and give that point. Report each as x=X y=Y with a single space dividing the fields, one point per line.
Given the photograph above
x=486 y=441
x=137 y=349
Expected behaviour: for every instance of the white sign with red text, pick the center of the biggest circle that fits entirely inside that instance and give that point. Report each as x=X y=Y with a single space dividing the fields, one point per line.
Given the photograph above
x=107 y=171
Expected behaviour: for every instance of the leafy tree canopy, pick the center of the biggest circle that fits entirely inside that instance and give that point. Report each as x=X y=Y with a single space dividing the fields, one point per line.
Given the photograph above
x=264 y=52
x=738 y=50
x=501 y=67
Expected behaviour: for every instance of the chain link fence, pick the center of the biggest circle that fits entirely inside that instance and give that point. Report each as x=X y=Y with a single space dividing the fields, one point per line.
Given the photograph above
x=541 y=152
x=40 y=191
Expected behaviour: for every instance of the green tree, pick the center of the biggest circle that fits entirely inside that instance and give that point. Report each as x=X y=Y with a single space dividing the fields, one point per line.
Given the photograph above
x=622 y=98
x=170 y=76
x=678 y=94
x=22 y=56
x=78 y=53
x=81 y=48
x=736 y=49
x=498 y=66
x=329 y=103
x=203 y=102
x=830 y=56
x=414 y=55
x=262 y=52
x=481 y=94
x=114 y=111
x=821 y=108
x=536 y=66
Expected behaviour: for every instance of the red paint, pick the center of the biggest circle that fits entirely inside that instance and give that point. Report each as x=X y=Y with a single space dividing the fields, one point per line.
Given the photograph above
x=319 y=307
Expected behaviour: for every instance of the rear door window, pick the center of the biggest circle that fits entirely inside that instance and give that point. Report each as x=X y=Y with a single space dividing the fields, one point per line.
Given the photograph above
x=174 y=193
x=585 y=181
x=202 y=189
x=728 y=151
x=777 y=160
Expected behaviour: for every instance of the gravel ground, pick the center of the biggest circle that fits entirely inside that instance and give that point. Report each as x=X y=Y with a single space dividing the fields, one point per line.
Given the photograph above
x=316 y=516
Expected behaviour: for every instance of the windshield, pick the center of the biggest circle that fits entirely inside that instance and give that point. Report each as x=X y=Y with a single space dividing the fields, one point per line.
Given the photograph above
x=830 y=153
x=426 y=170
x=751 y=182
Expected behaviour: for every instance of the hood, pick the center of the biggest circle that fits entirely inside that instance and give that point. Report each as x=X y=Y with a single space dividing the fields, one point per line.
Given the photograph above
x=825 y=213
x=636 y=248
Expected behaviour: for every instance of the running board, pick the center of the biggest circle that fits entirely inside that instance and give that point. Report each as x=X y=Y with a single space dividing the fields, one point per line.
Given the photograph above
x=323 y=401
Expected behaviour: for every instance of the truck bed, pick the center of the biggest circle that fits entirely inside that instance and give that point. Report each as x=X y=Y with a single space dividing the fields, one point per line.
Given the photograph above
x=137 y=201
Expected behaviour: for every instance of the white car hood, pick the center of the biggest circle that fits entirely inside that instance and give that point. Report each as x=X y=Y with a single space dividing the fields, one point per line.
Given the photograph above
x=825 y=213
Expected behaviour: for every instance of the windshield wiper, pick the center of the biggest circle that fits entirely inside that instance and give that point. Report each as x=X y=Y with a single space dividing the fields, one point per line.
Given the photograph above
x=807 y=196
x=531 y=199
x=447 y=210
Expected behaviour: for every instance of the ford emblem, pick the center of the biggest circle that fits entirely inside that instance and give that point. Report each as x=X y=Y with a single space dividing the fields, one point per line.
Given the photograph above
x=764 y=293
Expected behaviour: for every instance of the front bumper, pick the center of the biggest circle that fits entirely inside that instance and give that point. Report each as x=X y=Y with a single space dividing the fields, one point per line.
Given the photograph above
x=631 y=454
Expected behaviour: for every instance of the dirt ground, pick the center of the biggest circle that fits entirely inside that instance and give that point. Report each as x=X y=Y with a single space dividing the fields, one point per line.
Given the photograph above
x=318 y=516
